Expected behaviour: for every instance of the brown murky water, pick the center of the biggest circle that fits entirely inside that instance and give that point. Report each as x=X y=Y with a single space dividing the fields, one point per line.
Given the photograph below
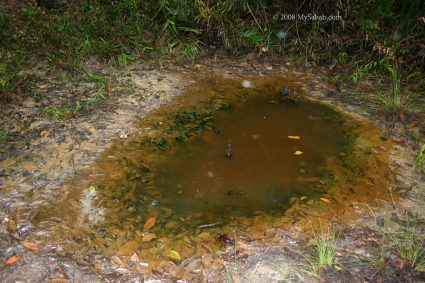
x=265 y=132
x=293 y=161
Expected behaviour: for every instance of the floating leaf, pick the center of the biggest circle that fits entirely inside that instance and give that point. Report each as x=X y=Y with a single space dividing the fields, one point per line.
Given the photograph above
x=294 y=137
x=12 y=260
x=174 y=255
x=149 y=224
x=325 y=200
x=303 y=197
x=30 y=246
x=148 y=237
x=298 y=152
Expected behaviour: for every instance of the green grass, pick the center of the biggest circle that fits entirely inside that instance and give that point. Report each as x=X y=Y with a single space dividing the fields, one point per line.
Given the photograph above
x=56 y=112
x=420 y=160
x=325 y=249
x=410 y=247
x=323 y=255
x=100 y=80
x=4 y=134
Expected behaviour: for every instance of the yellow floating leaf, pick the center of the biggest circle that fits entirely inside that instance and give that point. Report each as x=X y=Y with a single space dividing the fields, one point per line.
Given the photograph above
x=174 y=255
x=148 y=237
x=30 y=246
x=303 y=197
x=325 y=200
x=294 y=137
x=298 y=152
x=149 y=224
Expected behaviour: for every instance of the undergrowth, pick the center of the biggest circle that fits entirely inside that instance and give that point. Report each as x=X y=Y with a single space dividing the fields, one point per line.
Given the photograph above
x=66 y=33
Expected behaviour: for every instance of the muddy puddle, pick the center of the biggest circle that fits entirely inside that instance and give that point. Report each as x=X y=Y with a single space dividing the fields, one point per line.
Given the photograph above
x=221 y=158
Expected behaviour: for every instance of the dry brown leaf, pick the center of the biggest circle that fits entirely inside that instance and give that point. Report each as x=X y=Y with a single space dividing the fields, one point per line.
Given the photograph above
x=149 y=224
x=399 y=263
x=30 y=246
x=148 y=237
x=58 y=280
x=12 y=259
x=373 y=240
x=108 y=87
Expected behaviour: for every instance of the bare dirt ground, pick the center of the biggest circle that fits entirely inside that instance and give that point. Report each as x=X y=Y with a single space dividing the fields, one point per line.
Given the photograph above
x=42 y=153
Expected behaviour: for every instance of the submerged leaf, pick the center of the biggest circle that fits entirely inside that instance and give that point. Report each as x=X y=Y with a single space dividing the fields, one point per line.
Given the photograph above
x=298 y=152
x=148 y=237
x=149 y=224
x=174 y=255
x=294 y=137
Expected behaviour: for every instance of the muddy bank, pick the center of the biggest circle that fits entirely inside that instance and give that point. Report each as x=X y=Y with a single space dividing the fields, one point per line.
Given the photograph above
x=37 y=163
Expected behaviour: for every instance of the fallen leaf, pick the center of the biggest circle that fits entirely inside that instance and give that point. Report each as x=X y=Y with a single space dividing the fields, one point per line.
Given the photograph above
x=379 y=280
x=12 y=259
x=373 y=240
x=298 y=152
x=303 y=197
x=399 y=263
x=30 y=246
x=43 y=133
x=58 y=280
x=325 y=200
x=149 y=224
x=174 y=255
x=108 y=87
x=116 y=260
x=338 y=266
x=294 y=137
x=92 y=189
x=148 y=237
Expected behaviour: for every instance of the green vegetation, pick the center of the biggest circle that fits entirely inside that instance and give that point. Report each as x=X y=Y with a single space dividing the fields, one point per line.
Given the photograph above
x=324 y=252
x=410 y=247
x=64 y=34
x=420 y=160
x=56 y=112
x=4 y=134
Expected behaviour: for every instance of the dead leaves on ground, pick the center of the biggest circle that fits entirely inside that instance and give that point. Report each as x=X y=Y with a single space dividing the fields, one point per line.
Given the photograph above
x=33 y=247
x=12 y=260
x=149 y=224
